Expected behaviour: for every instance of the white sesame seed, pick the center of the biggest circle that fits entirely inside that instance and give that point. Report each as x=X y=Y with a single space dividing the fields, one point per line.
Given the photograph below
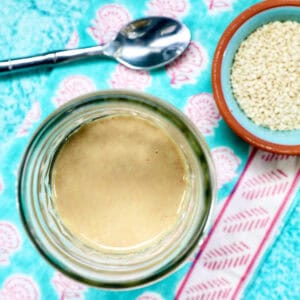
x=265 y=76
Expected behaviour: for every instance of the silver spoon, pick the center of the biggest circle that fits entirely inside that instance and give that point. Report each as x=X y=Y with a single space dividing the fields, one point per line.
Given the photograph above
x=146 y=43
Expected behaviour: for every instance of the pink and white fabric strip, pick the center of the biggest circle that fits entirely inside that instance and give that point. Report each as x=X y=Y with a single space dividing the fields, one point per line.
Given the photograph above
x=246 y=224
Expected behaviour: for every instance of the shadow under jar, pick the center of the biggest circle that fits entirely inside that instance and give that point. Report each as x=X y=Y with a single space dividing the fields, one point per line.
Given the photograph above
x=114 y=267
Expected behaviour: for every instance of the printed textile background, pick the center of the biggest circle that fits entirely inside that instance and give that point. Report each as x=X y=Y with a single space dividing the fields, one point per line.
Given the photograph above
x=253 y=249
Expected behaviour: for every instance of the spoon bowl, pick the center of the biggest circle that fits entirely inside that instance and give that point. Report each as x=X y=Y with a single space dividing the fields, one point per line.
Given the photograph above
x=149 y=43
x=146 y=43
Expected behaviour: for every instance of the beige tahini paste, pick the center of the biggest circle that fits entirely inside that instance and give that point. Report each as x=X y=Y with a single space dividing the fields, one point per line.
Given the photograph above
x=119 y=182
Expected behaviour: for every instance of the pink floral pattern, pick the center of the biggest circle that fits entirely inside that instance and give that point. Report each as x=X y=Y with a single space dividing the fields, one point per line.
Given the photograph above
x=168 y=8
x=226 y=163
x=109 y=20
x=149 y=296
x=32 y=116
x=10 y=241
x=68 y=288
x=215 y=6
x=19 y=287
x=188 y=66
x=73 y=41
x=71 y=87
x=202 y=110
x=124 y=78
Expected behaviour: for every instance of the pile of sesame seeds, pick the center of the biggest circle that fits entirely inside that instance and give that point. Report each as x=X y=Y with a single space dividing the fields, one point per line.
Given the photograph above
x=265 y=76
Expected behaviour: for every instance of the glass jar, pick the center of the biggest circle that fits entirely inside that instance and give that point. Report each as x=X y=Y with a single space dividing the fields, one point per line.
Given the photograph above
x=118 y=269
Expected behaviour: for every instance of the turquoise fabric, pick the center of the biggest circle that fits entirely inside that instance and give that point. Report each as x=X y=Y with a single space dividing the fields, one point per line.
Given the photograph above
x=34 y=26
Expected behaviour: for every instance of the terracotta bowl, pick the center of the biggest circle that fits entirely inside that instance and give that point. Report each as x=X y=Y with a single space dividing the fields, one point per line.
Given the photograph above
x=283 y=142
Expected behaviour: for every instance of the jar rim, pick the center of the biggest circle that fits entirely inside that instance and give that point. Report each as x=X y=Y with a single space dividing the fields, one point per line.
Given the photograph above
x=178 y=119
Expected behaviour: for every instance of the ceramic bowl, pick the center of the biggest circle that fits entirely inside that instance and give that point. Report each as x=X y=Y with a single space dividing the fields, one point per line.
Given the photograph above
x=283 y=142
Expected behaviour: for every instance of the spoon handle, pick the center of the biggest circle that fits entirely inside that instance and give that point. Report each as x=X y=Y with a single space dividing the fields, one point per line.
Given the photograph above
x=49 y=59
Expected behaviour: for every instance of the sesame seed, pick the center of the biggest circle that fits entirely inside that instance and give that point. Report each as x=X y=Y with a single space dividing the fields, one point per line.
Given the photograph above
x=265 y=75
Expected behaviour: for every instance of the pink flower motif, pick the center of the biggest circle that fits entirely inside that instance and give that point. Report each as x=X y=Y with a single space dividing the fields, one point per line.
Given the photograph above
x=168 y=8
x=68 y=288
x=215 y=6
x=124 y=78
x=202 y=110
x=19 y=287
x=73 y=41
x=109 y=20
x=226 y=163
x=149 y=296
x=71 y=87
x=1 y=185
x=10 y=241
x=188 y=66
x=32 y=116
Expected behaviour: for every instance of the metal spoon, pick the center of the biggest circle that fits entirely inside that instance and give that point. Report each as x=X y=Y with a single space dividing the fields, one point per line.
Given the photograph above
x=142 y=44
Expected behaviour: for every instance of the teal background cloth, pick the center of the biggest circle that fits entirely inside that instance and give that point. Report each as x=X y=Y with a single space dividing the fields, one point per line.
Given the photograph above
x=36 y=26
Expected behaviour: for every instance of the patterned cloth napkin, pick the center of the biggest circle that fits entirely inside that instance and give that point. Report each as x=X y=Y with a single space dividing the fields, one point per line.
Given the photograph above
x=258 y=191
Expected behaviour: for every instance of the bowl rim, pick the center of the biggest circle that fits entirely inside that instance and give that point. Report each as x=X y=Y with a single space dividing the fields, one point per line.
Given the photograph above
x=217 y=85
